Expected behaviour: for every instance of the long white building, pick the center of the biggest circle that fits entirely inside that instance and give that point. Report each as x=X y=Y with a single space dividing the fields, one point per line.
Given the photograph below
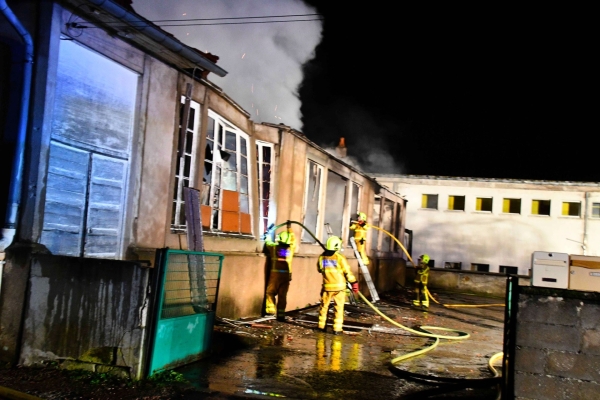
x=495 y=225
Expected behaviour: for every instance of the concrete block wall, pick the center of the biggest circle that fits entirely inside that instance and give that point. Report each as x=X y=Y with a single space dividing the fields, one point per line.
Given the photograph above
x=557 y=344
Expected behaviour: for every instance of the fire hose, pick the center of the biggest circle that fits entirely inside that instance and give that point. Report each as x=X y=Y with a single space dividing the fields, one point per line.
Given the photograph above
x=425 y=331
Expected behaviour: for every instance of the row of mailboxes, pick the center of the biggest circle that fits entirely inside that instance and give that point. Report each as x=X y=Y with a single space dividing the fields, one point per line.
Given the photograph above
x=564 y=271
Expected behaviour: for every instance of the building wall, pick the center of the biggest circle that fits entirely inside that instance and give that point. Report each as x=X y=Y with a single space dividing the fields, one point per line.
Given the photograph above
x=496 y=238
x=147 y=203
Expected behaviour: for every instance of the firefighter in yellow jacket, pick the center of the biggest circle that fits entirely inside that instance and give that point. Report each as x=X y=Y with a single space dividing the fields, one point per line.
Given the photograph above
x=336 y=272
x=281 y=253
x=360 y=228
x=421 y=278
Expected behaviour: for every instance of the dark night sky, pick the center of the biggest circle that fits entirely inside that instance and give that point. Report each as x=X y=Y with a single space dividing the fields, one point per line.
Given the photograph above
x=474 y=92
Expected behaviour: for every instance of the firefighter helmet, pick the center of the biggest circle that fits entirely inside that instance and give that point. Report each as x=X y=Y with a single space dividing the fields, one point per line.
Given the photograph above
x=334 y=243
x=362 y=216
x=425 y=258
x=284 y=237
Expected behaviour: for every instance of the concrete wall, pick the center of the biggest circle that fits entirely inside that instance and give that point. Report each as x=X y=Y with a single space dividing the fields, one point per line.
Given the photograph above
x=557 y=347
x=496 y=238
x=483 y=283
x=85 y=313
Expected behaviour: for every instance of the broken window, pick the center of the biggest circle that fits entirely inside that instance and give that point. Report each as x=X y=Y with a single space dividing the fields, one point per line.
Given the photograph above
x=511 y=206
x=595 y=210
x=540 y=207
x=429 y=201
x=375 y=219
x=225 y=204
x=335 y=203
x=354 y=210
x=264 y=168
x=483 y=204
x=387 y=224
x=571 y=208
x=314 y=181
x=452 y=265
x=91 y=131
x=185 y=170
x=456 y=203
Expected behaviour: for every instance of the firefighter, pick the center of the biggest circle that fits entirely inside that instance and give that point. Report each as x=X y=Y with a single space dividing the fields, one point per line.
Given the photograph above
x=421 y=277
x=336 y=274
x=360 y=228
x=281 y=252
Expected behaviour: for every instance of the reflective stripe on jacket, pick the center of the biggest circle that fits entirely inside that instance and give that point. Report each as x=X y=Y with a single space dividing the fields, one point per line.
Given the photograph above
x=360 y=231
x=281 y=256
x=336 y=271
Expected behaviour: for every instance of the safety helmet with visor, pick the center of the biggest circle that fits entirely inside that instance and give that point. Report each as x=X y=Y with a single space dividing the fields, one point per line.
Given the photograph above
x=334 y=243
x=424 y=258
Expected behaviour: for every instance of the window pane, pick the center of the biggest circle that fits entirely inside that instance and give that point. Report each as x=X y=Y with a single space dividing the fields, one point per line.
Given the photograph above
x=483 y=204
x=229 y=180
x=189 y=141
x=429 y=201
x=571 y=209
x=456 y=203
x=266 y=189
x=595 y=210
x=243 y=149
x=244 y=204
x=540 y=207
x=191 y=119
x=312 y=201
x=266 y=172
x=187 y=165
x=266 y=154
x=230 y=141
x=210 y=131
x=244 y=165
x=231 y=163
x=244 y=184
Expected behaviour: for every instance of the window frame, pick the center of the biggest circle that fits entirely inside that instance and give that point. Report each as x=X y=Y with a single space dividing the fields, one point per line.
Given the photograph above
x=177 y=199
x=265 y=220
x=569 y=215
x=425 y=201
x=216 y=206
x=595 y=210
x=479 y=203
x=318 y=228
x=540 y=202
x=508 y=203
x=452 y=201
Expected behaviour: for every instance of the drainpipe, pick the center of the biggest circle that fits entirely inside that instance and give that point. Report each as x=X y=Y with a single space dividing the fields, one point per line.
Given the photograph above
x=585 y=223
x=16 y=179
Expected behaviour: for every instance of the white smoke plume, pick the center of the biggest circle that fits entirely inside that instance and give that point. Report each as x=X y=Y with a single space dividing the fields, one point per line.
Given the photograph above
x=263 y=60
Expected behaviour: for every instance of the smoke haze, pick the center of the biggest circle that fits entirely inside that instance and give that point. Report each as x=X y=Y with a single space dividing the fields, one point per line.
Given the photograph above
x=263 y=60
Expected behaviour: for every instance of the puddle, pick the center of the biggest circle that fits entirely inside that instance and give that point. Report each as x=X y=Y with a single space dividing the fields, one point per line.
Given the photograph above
x=293 y=360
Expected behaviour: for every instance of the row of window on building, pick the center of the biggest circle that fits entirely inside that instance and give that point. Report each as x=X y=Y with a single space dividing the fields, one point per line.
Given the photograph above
x=503 y=269
x=509 y=205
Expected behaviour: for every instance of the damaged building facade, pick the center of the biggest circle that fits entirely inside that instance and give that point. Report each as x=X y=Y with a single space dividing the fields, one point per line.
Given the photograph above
x=99 y=163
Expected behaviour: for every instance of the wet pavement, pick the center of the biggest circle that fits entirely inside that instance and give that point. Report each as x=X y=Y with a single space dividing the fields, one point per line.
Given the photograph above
x=265 y=358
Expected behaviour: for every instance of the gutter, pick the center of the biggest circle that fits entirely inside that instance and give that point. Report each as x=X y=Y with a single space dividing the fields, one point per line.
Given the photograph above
x=16 y=179
x=158 y=35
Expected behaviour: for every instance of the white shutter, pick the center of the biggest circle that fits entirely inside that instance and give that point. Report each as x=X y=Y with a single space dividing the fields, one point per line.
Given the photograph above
x=66 y=191
x=105 y=207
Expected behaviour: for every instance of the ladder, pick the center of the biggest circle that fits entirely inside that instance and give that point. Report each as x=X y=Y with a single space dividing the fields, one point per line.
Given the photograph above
x=365 y=271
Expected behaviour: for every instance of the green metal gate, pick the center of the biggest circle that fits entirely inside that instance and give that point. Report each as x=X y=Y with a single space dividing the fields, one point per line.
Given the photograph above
x=187 y=286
